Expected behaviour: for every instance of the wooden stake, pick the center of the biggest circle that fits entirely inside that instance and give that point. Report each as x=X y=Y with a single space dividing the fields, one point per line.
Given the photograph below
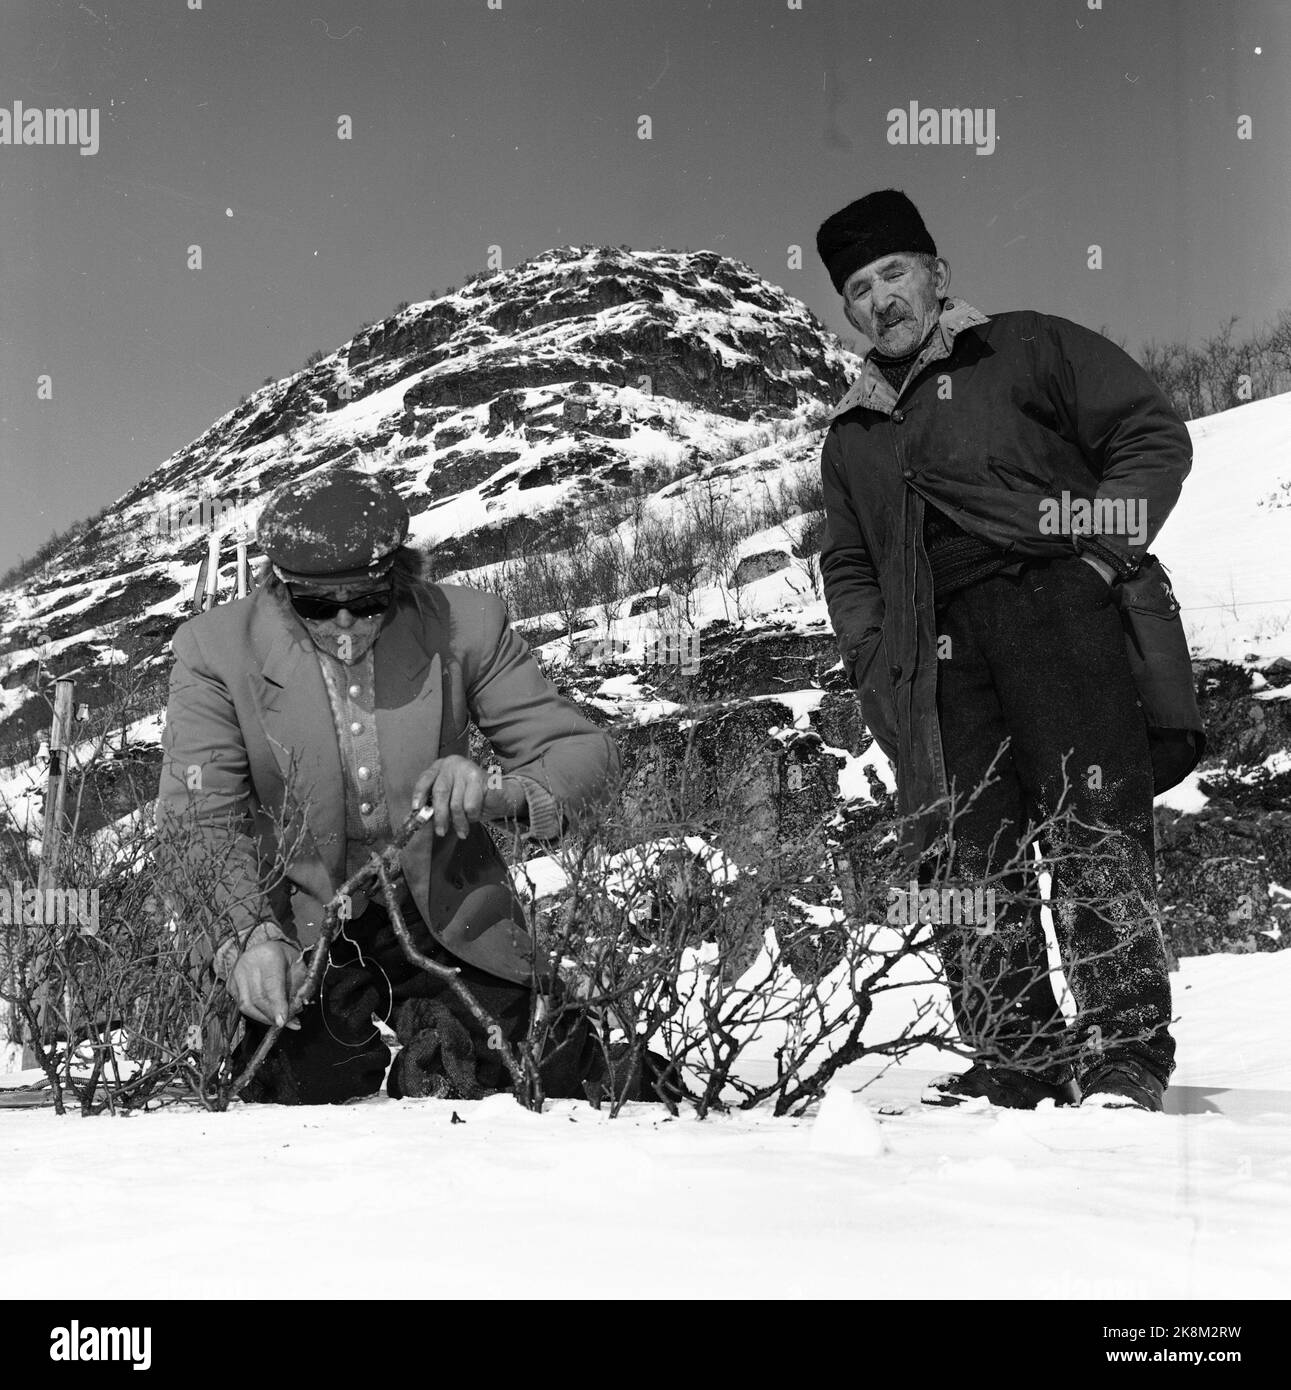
x=51 y=837
x=56 y=786
x=199 y=584
x=212 y=571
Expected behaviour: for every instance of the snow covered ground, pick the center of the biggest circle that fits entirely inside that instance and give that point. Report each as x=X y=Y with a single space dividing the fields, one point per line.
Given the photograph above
x=1225 y=543
x=394 y=1197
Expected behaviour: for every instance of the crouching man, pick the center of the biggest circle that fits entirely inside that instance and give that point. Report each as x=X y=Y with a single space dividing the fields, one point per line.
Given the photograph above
x=304 y=724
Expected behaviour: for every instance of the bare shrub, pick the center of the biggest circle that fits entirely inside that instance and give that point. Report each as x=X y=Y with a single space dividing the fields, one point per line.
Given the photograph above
x=751 y=965
x=119 y=1004
x=726 y=954
x=1222 y=372
x=116 y=1003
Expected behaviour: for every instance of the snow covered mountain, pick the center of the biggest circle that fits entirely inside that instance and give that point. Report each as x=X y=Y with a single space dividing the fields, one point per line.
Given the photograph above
x=594 y=399
x=498 y=411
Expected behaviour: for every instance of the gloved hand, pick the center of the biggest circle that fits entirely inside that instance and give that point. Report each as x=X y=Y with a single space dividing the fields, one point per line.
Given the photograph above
x=265 y=979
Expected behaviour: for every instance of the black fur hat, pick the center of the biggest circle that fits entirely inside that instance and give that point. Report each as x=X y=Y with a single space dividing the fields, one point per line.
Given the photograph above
x=873 y=226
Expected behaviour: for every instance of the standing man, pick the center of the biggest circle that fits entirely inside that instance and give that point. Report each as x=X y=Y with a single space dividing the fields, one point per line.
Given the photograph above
x=304 y=724
x=983 y=632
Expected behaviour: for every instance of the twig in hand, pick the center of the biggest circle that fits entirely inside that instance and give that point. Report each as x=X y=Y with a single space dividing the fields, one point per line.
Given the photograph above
x=378 y=865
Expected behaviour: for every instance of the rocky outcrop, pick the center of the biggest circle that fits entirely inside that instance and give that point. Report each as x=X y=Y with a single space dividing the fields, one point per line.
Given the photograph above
x=759 y=566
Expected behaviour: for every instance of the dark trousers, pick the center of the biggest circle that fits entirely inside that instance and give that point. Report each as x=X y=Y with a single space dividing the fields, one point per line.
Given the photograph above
x=337 y=1054
x=1035 y=662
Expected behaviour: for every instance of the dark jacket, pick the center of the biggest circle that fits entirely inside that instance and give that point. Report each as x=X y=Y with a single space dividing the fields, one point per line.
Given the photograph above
x=1000 y=415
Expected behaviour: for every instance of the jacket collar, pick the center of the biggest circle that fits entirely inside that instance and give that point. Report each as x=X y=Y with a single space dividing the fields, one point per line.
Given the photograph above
x=871 y=389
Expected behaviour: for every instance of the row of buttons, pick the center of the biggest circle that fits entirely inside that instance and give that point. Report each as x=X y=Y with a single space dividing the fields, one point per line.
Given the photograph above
x=356 y=728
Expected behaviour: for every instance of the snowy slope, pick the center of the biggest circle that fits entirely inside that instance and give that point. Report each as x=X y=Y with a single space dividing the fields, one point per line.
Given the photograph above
x=1227 y=544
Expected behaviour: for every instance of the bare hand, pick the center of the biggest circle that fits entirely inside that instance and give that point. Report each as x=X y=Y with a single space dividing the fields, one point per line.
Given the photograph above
x=265 y=980
x=456 y=787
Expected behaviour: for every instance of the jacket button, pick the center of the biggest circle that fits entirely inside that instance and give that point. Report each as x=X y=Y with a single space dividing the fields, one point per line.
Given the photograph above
x=907 y=472
x=894 y=672
x=898 y=415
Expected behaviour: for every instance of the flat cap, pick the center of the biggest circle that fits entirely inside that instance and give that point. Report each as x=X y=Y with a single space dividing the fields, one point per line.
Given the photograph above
x=336 y=526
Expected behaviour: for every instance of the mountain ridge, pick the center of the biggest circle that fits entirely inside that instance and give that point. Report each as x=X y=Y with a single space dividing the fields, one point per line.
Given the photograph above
x=595 y=369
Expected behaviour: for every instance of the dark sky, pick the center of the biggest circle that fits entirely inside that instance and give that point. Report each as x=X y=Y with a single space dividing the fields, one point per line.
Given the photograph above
x=518 y=127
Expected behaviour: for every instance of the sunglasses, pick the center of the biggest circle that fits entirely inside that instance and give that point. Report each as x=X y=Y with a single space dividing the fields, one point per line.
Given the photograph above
x=320 y=607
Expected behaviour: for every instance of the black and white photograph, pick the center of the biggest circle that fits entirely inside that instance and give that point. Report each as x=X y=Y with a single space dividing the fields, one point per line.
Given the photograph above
x=645 y=654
